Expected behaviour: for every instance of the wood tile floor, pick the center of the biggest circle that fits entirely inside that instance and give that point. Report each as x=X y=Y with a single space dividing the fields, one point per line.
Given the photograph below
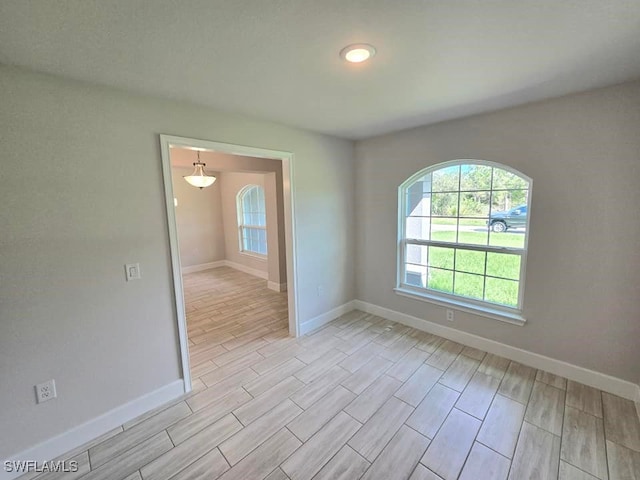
x=362 y=397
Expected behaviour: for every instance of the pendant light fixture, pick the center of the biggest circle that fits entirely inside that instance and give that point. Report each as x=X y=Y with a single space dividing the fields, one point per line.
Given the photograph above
x=199 y=177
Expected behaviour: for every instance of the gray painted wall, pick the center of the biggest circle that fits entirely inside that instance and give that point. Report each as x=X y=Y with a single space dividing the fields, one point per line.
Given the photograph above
x=95 y=203
x=583 y=153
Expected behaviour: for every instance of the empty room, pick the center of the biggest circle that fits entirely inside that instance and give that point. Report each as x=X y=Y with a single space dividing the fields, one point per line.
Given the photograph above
x=310 y=240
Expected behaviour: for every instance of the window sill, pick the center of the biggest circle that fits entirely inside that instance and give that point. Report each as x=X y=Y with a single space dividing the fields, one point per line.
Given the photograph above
x=259 y=256
x=468 y=307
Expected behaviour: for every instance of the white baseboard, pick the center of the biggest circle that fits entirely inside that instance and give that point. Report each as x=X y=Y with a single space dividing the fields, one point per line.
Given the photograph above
x=203 y=266
x=237 y=266
x=278 y=287
x=251 y=271
x=592 y=378
x=326 y=317
x=77 y=436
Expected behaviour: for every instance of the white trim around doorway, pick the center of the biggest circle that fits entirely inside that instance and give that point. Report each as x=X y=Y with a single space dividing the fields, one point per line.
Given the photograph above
x=168 y=141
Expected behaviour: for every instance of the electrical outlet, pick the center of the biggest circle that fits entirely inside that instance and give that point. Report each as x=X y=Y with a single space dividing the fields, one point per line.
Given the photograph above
x=46 y=391
x=132 y=271
x=320 y=291
x=449 y=315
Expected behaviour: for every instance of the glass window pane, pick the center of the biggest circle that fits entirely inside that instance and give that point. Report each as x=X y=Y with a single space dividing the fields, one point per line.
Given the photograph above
x=446 y=179
x=417 y=228
x=441 y=257
x=444 y=204
x=473 y=231
x=503 y=179
x=510 y=238
x=441 y=280
x=416 y=254
x=475 y=177
x=504 y=292
x=470 y=261
x=469 y=285
x=444 y=229
x=503 y=265
x=415 y=275
x=511 y=202
x=418 y=204
x=474 y=204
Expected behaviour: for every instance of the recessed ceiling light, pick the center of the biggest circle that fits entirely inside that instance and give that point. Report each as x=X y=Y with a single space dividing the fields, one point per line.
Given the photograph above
x=358 y=52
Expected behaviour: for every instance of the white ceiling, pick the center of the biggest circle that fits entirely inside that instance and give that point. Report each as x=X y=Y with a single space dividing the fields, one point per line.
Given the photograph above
x=278 y=59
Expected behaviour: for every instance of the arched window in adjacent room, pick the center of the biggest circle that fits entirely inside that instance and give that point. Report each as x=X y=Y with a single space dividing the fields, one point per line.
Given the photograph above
x=252 y=220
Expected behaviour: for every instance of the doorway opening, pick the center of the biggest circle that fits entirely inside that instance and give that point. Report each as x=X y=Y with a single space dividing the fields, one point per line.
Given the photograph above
x=232 y=251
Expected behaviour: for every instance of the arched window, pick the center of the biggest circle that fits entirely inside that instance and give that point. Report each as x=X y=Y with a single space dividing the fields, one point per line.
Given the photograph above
x=252 y=220
x=463 y=234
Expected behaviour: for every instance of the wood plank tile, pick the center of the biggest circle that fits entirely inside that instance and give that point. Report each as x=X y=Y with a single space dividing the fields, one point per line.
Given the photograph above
x=359 y=358
x=221 y=373
x=478 y=395
x=407 y=365
x=211 y=465
x=546 y=408
x=417 y=387
x=398 y=349
x=264 y=459
x=583 y=442
x=369 y=401
x=551 y=379
x=483 y=463
x=380 y=428
x=621 y=423
x=252 y=436
x=312 y=420
x=122 y=442
x=171 y=462
x=132 y=459
x=265 y=382
x=399 y=457
x=225 y=358
x=307 y=396
x=474 y=353
x=501 y=427
x=624 y=463
x=226 y=386
x=494 y=365
x=423 y=473
x=449 y=449
x=392 y=335
x=187 y=427
x=537 y=455
x=320 y=366
x=366 y=375
x=444 y=356
x=253 y=409
x=345 y=465
x=569 y=472
x=584 y=398
x=517 y=382
x=277 y=359
x=277 y=474
x=312 y=455
x=459 y=373
x=433 y=410
x=427 y=342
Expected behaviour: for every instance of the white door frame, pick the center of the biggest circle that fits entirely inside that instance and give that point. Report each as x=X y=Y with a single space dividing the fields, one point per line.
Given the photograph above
x=168 y=141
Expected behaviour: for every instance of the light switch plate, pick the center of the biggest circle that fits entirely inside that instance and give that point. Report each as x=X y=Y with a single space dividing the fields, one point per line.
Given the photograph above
x=132 y=271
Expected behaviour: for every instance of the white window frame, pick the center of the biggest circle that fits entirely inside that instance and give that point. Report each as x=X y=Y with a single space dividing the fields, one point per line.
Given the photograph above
x=241 y=225
x=478 y=307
